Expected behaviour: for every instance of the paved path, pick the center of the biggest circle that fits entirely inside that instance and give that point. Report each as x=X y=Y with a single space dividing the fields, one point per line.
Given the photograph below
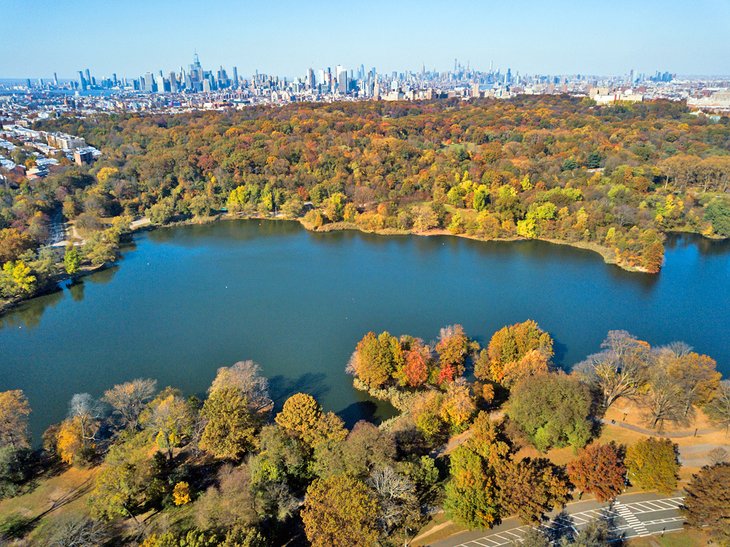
x=631 y=515
x=654 y=433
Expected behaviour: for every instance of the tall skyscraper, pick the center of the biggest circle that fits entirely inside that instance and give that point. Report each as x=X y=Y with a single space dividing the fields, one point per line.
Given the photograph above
x=235 y=77
x=55 y=79
x=82 y=81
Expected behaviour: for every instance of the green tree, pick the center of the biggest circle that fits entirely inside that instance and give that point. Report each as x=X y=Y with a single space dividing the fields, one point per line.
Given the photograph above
x=340 y=511
x=652 y=465
x=552 y=410
x=72 y=260
x=230 y=427
x=17 y=279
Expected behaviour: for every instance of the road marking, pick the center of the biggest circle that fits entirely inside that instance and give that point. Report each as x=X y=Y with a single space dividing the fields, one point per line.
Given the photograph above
x=626 y=514
x=626 y=511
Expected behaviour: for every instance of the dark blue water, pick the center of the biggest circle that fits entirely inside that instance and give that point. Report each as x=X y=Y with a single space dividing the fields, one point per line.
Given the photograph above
x=185 y=301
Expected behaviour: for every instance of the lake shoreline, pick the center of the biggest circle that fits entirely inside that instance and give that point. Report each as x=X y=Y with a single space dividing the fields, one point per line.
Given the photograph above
x=606 y=253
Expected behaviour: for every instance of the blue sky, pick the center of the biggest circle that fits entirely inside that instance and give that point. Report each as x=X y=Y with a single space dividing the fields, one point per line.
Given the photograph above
x=130 y=37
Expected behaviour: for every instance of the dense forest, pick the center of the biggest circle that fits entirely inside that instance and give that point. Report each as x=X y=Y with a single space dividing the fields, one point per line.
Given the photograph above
x=613 y=179
x=478 y=435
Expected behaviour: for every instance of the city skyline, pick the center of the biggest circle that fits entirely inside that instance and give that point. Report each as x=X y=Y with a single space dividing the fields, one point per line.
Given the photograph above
x=283 y=40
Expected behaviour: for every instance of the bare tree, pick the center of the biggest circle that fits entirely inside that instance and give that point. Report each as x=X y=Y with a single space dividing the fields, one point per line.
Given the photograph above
x=79 y=532
x=663 y=401
x=719 y=408
x=246 y=376
x=89 y=411
x=397 y=496
x=129 y=399
x=620 y=369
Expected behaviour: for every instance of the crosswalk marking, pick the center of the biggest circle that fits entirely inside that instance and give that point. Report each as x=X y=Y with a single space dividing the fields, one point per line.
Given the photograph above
x=631 y=519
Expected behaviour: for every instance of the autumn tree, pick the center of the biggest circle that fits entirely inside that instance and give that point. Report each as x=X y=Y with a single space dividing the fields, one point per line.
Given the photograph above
x=457 y=405
x=533 y=487
x=230 y=427
x=416 y=364
x=303 y=417
x=129 y=399
x=652 y=465
x=620 y=370
x=14 y=412
x=533 y=363
x=707 y=500
x=452 y=349
x=376 y=358
x=553 y=410
x=340 y=511
x=695 y=375
x=511 y=343
x=599 y=469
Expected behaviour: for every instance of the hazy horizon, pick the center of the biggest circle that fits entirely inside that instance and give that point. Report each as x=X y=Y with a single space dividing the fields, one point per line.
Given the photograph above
x=527 y=36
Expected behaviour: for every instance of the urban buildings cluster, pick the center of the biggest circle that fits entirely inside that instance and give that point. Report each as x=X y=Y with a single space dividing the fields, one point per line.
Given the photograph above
x=31 y=154
x=194 y=88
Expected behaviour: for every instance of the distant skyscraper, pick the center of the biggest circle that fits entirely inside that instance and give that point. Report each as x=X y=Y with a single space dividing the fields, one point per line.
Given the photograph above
x=82 y=81
x=88 y=77
x=311 y=82
x=55 y=79
x=235 y=77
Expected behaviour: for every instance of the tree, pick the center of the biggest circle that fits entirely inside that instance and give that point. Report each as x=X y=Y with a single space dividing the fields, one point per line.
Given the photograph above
x=472 y=495
x=245 y=376
x=452 y=349
x=376 y=358
x=511 y=343
x=652 y=465
x=533 y=363
x=71 y=445
x=552 y=410
x=707 y=500
x=457 y=406
x=181 y=493
x=124 y=485
x=17 y=279
x=169 y=418
x=397 y=500
x=230 y=428
x=303 y=417
x=340 y=511
x=78 y=531
x=101 y=247
x=533 y=487
x=695 y=375
x=230 y=503
x=718 y=409
x=129 y=399
x=415 y=369
x=14 y=412
x=72 y=260
x=620 y=370
x=663 y=401
x=599 y=469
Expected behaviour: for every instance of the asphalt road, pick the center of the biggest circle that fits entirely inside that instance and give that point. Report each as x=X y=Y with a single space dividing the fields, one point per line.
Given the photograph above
x=632 y=515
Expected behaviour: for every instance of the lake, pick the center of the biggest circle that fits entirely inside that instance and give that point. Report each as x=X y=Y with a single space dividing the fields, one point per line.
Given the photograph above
x=184 y=301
